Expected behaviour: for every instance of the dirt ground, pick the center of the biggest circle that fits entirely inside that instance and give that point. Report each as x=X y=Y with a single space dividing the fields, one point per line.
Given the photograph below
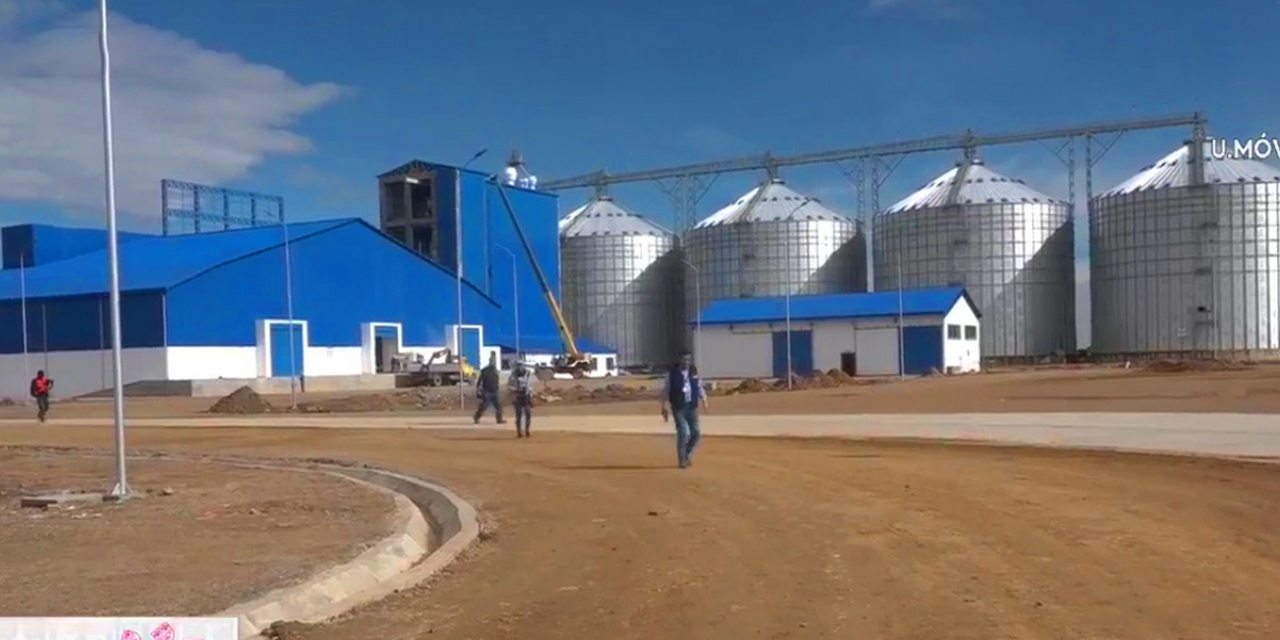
x=599 y=536
x=1249 y=389
x=221 y=536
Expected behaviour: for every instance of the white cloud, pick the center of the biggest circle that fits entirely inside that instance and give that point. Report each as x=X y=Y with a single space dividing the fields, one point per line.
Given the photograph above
x=179 y=111
x=14 y=12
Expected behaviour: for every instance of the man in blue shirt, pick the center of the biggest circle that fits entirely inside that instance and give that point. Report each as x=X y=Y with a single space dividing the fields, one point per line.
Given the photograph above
x=682 y=395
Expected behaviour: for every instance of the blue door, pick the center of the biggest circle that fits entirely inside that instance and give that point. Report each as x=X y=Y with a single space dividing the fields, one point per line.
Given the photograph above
x=801 y=353
x=471 y=347
x=921 y=349
x=284 y=360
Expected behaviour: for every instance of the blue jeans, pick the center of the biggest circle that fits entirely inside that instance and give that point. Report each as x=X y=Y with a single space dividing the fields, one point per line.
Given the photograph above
x=687 y=432
x=489 y=399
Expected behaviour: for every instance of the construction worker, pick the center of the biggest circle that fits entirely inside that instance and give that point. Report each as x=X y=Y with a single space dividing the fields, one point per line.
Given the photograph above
x=682 y=395
x=41 y=386
x=487 y=389
x=521 y=385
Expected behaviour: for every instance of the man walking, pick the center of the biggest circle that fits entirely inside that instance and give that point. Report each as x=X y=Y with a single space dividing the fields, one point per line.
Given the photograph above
x=682 y=394
x=521 y=384
x=41 y=386
x=487 y=390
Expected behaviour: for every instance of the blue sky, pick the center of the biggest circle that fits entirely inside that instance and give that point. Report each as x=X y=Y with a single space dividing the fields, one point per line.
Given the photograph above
x=311 y=100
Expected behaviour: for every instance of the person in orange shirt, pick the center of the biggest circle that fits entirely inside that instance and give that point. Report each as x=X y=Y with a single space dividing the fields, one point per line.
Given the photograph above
x=41 y=386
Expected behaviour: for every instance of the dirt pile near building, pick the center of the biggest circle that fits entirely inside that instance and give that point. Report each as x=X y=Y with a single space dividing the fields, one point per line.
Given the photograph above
x=1187 y=366
x=7 y=402
x=242 y=401
x=417 y=399
x=750 y=385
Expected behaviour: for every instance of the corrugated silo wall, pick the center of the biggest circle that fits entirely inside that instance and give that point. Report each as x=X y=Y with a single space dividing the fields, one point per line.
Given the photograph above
x=1016 y=260
x=750 y=259
x=624 y=291
x=1187 y=272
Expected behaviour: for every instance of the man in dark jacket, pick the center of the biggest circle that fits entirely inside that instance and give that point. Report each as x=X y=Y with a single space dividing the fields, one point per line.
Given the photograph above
x=682 y=395
x=41 y=386
x=487 y=389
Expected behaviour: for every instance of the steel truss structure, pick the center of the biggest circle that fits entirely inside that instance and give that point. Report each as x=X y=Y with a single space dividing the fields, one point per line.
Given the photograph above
x=870 y=166
x=209 y=208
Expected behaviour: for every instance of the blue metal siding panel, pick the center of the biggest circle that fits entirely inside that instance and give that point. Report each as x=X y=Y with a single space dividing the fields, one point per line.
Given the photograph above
x=446 y=229
x=802 y=352
x=286 y=358
x=819 y=307
x=471 y=347
x=81 y=323
x=342 y=278
x=780 y=354
x=16 y=242
x=151 y=262
x=922 y=349
x=538 y=215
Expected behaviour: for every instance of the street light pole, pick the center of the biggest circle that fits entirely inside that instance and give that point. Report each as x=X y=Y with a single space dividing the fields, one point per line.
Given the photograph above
x=697 y=304
x=787 y=291
x=902 y=360
x=121 y=489
x=457 y=252
x=515 y=296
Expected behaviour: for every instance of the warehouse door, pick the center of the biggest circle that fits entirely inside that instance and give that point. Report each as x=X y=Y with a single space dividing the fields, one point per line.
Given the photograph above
x=286 y=361
x=801 y=353
x=921 y=349
x=471 y=346
x=849 y=363
x=385 y=347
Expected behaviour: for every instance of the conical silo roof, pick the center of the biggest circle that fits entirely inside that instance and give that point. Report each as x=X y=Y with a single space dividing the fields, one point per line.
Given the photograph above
x=776 y=202
x=978 y=185
x=1174 y=170
x=602 y=217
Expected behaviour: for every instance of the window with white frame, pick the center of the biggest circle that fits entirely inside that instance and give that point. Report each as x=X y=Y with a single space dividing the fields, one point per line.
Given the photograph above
x=953 y=332
x=970 y=332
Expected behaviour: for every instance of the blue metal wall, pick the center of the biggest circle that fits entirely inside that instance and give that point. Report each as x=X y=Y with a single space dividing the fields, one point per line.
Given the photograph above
x=43 y=244
x=341 y=278
x=921 y=349
x=488 y=236
x=82 y=323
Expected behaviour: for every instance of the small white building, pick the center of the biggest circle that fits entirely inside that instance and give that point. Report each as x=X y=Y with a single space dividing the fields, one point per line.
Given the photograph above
x=862 y=334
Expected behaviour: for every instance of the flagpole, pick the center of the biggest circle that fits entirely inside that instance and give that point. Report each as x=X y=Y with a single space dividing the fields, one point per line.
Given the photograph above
x=121 y=489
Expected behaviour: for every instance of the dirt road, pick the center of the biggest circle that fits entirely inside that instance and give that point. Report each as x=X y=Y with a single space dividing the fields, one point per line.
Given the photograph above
x=1255 y=389
x=597 y=536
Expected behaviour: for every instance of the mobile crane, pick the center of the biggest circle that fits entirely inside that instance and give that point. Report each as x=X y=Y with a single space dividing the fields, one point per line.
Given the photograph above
x=572 y=362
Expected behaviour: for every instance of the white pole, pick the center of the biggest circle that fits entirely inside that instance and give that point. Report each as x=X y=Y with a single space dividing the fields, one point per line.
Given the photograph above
x=515 y=294
x=457 y=239
x=902 y=366
x=121 y=489
x=22 y=276
x=288 y=302
x=790 y=371
x=697 y=303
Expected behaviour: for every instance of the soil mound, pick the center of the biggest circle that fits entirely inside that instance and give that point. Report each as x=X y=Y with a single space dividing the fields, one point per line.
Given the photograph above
x=7 y=402
x=1185 y=366
x=750 y=385
x=242 y=401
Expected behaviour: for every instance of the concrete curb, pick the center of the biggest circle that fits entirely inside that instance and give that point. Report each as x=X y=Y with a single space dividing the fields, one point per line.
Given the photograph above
x=424 y=511
x=388 y=567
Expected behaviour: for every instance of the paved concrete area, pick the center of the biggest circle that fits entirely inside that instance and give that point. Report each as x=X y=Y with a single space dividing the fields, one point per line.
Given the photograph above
x=1222 y=434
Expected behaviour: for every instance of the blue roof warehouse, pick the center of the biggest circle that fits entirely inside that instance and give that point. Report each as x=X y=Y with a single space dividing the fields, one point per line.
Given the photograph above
x=215 y=305
x=864 y=334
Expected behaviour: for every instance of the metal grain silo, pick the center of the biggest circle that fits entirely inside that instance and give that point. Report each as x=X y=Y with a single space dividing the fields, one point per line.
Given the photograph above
x=620 y=281
x=1185 y=258
x=773 y=240
x=1008 y=244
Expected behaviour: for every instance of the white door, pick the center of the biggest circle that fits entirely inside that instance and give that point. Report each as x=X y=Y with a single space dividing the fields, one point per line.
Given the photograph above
x=877 y=351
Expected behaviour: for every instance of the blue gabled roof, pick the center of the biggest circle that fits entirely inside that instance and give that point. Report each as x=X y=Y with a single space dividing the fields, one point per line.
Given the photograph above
x=914 y=302
x=154 y=263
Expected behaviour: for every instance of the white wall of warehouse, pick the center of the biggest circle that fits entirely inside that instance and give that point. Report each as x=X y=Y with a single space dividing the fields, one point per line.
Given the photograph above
x=76 y=372
x=963 y=355
x=746 y=350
